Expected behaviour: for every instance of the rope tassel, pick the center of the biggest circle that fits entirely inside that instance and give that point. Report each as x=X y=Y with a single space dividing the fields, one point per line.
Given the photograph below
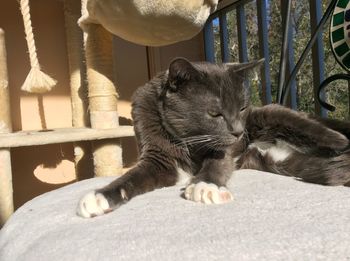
x=36 y=81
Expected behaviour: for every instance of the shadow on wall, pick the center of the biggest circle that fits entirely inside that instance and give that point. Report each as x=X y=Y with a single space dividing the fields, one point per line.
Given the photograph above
x=40 y=173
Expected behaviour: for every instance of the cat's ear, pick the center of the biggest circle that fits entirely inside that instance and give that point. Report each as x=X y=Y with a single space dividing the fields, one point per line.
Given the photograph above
x=244 y=69
x=180 y=72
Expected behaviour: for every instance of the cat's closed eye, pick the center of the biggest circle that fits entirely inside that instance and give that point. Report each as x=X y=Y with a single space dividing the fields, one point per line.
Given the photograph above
x=243 y=108
x=214 y=113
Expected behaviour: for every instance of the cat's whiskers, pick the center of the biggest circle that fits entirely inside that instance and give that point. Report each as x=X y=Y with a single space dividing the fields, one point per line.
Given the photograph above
x=197 y=142
x=201 y=140
x=197 y=139
x=204 y=142
x=212 y=144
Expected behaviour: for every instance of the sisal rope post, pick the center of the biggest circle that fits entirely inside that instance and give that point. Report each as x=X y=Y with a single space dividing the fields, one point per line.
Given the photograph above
x=102 y=98
x=36 y=81
x=6 y=190
x=79 y=99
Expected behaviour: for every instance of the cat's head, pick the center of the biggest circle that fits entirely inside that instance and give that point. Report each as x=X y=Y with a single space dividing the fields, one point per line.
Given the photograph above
x=205 y=103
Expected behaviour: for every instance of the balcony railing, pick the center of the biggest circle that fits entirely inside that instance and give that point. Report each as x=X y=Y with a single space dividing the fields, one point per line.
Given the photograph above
x=283 y=90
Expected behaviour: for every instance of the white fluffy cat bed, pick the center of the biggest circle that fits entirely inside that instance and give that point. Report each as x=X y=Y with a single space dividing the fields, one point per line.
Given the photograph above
x=271 y=218
x=149 y=22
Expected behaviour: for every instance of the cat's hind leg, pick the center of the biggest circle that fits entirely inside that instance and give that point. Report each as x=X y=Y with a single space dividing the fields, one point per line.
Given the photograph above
x=272 y=122
x=331 y=171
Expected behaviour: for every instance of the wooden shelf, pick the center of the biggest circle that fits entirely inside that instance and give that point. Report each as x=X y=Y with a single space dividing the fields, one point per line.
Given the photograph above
x=52 y=136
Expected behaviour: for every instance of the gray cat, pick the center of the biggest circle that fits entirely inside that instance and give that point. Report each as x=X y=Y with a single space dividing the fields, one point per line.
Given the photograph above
x=194 y=121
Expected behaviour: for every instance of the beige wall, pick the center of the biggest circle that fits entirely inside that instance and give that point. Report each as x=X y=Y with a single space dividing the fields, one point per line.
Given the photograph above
x=43 y=168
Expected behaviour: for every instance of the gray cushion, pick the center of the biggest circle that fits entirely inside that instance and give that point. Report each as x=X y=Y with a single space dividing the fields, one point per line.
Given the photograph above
x=271 y=218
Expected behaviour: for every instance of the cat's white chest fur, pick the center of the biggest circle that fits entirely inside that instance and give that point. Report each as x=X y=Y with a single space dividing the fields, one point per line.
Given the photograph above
x=278 y=152
x=183 y=177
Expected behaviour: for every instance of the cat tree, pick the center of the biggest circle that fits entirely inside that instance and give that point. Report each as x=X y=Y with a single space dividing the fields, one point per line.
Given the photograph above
x=79 y=98
x=6 y=205
x=144 y=22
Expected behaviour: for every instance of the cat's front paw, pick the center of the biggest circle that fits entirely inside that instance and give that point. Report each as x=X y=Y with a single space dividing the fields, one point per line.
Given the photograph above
x=208 y=193
x=93 y=204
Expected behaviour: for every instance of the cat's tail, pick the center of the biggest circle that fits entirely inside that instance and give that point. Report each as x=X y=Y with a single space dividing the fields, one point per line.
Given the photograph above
x=330 y=171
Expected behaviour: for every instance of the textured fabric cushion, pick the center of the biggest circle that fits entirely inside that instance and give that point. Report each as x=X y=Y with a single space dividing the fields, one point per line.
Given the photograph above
x=149 y=22
x=271 y=218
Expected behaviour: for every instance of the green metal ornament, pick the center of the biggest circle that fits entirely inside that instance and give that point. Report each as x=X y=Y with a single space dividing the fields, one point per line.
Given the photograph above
x=340 y=33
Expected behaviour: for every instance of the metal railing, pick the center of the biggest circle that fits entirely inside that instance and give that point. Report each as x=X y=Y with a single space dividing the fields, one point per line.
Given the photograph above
x=221 y=15
x=286 y=89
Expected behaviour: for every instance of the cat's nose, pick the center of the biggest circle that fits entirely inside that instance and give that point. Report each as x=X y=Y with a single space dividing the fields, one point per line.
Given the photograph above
x=236 y=129
x=237 y=134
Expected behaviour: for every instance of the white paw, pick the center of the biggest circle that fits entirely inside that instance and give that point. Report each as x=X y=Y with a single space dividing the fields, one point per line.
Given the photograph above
x=208 y=193
x=92 y=204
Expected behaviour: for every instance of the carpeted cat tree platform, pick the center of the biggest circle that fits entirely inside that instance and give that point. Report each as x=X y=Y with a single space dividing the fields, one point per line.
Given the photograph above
x=272 y=218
